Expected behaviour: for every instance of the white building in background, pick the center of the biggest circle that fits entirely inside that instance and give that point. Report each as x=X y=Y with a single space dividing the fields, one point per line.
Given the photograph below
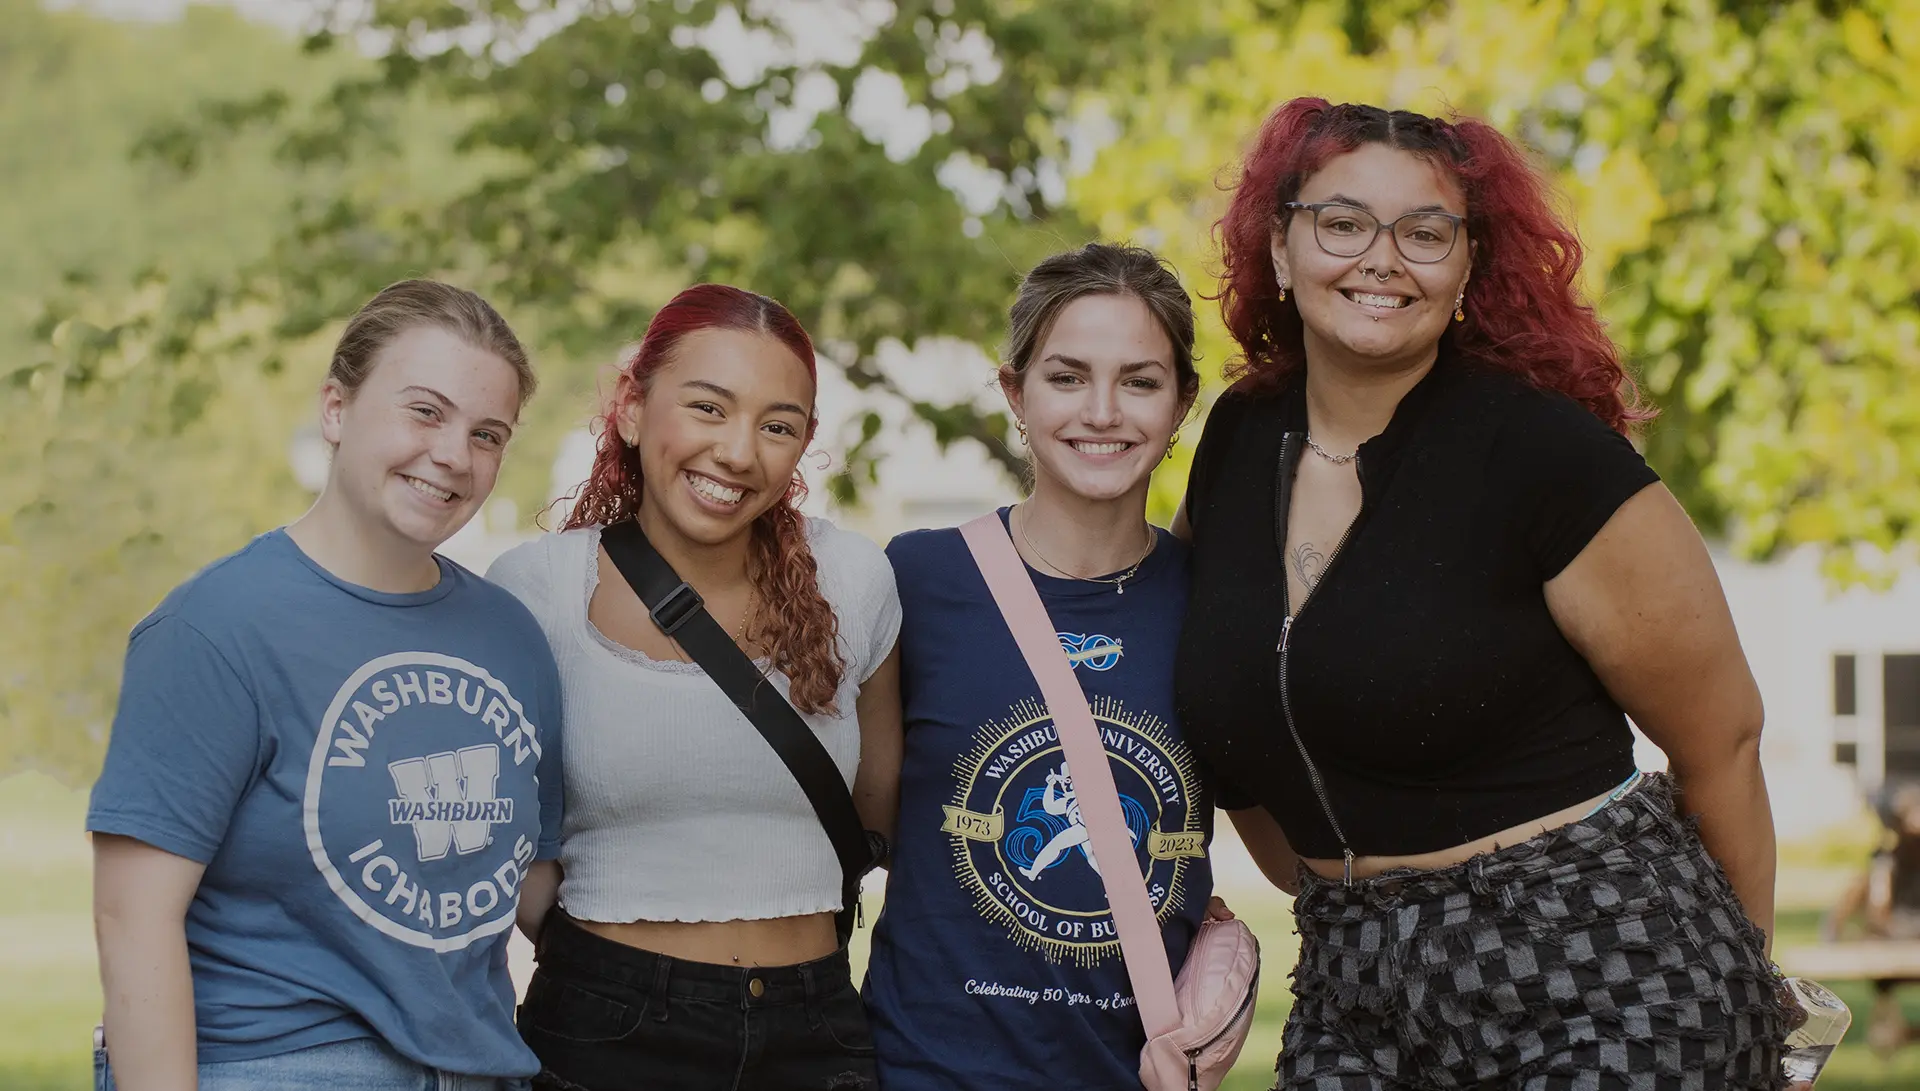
x=1840 y=671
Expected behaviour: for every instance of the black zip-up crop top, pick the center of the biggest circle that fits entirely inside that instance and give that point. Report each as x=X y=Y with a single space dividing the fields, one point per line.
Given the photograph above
x=1425 y=678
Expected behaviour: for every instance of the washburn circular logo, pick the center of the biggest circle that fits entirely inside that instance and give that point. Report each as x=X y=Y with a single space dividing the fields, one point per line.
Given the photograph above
x=1019 y=842
x=422 y=762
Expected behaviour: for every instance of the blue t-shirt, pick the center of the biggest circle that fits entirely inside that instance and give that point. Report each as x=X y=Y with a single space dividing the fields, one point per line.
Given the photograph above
x=995 y=964
x=367 y=777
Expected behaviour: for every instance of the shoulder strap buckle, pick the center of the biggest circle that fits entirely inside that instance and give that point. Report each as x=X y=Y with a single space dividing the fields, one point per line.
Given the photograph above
x=676 y=608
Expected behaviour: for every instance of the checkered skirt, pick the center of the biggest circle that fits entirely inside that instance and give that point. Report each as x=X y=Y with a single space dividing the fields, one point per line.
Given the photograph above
x=1608 y=954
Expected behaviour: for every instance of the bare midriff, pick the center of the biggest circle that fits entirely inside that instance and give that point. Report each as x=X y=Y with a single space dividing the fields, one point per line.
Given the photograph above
x=1366 y=867
x=783 y=941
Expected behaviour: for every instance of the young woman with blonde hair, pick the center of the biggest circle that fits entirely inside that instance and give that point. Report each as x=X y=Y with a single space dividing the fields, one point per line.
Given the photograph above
x=336 y=758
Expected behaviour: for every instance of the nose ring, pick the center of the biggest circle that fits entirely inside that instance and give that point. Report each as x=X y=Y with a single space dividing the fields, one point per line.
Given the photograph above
x=1368 y=270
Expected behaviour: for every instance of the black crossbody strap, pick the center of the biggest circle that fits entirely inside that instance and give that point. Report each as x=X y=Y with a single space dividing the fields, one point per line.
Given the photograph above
x=680 y=613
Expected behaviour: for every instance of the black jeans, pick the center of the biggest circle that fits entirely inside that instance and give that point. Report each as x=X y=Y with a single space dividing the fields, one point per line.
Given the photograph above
x=603 y=1016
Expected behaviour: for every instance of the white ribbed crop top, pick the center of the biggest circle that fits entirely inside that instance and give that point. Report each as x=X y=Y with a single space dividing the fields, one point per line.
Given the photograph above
x=676 y=808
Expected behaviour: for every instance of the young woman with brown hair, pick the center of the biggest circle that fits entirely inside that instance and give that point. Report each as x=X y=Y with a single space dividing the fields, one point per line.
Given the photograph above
x=996 y=962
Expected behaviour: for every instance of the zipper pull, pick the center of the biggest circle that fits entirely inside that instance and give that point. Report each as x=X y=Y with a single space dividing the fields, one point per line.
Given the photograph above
x=1347 y=855
x=1193 y=1071
x=1286 y=627
x=859 y=911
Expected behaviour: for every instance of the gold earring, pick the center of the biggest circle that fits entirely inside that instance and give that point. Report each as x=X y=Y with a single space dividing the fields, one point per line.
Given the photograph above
x=1458 y=314
x=1171 y=444
x=1020 y=426
x=1283 y=290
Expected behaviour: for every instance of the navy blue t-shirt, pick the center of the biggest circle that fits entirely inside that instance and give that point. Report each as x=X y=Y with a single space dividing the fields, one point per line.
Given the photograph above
x=366 y=777
x=995 y=964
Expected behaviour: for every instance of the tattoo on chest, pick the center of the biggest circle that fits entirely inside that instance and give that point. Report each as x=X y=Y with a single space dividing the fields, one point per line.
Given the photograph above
x=1308 y=563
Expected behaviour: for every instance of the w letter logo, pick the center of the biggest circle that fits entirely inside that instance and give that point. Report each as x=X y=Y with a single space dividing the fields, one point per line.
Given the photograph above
x=448 y=799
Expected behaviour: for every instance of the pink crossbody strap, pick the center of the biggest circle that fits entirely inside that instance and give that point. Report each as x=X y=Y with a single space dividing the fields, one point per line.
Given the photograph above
x=1133 y=917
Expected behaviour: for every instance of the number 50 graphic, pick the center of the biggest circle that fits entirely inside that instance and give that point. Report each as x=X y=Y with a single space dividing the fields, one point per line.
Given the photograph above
x=1035 y=827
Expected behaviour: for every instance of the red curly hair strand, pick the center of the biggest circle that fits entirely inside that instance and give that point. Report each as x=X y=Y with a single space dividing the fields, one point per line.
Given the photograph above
x=795 y=620
x=1523 y=311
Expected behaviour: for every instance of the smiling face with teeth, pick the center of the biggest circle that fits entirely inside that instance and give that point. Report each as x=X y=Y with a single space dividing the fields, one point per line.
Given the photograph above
x=720 y=428
x=418 y=445
x=1352 y=318
x=1101 y=398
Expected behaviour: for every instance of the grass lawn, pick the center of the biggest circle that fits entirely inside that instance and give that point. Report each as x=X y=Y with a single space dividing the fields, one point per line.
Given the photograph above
x=50 y=995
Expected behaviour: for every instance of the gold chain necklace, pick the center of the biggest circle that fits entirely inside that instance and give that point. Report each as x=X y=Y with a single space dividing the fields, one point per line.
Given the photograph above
x=740 y=634
x=1118 y=582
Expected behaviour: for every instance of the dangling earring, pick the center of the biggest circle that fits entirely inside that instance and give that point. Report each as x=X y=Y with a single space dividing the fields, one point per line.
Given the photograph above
x=1020 y=426
x=1459 y=315
x=1171 y=444
x=1283 y=289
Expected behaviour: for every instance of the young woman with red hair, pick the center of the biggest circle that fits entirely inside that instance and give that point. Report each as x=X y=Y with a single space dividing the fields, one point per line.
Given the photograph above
x=691 y=938
x=1431 y=580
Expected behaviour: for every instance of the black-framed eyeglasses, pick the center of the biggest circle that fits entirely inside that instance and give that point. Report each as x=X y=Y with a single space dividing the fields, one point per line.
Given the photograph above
x=1348 y=232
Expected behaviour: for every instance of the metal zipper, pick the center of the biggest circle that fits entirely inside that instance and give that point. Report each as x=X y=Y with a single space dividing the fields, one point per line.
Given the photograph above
x=1283 y=503
x=1193 y=1055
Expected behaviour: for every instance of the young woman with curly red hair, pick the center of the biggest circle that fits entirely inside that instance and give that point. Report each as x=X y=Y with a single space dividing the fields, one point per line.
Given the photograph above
x=691 y=940
x=1432 y=578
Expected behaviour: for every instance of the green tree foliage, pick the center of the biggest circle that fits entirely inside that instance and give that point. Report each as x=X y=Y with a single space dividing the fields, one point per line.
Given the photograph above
x=623 y=159
x=77 y=94
x=1746 y=178
x=141 y=432
x=1743 y=175
x=116 y=487
x=606 y=158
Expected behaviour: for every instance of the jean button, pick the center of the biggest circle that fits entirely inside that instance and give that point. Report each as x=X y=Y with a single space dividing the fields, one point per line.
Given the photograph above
x=756 y=988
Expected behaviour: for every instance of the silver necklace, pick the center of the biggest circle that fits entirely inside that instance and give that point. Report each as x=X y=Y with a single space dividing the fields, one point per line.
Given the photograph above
x=1337 y=460
x=1118 y=582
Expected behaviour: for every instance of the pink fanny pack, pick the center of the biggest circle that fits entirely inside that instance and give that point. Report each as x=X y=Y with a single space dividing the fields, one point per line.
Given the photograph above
x=1197 y=1024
